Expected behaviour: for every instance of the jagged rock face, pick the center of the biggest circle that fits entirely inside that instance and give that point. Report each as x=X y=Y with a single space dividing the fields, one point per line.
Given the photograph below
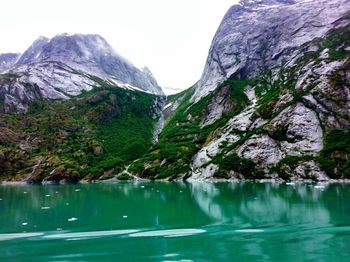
x=48 y=80
x=32 y=54
x=64 y=66
x=7 y=60
x=261 y=35
x=296 y=58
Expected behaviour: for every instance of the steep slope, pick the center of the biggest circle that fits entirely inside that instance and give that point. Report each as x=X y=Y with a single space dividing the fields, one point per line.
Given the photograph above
x=273 y=100
x=262 y=35
x=64 y=66
x=8 y=60
x=90 y=136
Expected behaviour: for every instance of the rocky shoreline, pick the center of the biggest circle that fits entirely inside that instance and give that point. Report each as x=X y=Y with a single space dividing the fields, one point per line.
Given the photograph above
x=211 y=180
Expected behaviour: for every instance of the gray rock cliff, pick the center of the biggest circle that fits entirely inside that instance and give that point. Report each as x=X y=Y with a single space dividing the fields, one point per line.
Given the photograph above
x=64 y=66
x=295 y=56
x=260 y=35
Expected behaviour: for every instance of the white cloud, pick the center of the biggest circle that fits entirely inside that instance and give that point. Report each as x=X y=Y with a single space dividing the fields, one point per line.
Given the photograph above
x=171 y=37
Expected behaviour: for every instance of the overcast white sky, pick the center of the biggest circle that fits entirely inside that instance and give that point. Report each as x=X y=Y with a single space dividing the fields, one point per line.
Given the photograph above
x=171 y=37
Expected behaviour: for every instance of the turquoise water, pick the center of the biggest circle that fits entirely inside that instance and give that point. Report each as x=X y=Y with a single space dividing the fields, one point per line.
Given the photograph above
x=175 y=222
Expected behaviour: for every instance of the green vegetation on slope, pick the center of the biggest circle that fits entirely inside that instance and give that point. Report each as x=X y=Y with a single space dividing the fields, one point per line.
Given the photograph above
x=184 y=134
x=94 y=134
x=335 y=157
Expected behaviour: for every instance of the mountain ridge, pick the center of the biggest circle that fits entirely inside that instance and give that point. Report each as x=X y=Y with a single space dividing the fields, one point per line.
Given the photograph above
x=241 y=38
x=273 y=101
x=64 y=66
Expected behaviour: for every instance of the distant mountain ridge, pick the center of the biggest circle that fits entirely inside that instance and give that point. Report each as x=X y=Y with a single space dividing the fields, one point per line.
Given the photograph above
x=63 y=66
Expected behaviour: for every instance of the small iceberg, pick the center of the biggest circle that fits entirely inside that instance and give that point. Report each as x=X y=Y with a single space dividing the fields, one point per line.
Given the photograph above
x=44 y=208
x=72 y=219
x=319 y=187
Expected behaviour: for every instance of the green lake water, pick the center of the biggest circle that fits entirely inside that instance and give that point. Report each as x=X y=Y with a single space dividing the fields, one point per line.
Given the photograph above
x=175 y=222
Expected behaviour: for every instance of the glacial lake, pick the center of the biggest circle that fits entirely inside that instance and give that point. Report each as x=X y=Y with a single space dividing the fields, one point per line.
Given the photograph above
x=175 y=222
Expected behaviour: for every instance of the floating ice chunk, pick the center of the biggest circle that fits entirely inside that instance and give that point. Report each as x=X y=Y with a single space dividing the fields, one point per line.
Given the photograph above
x=142 y=186
x=67 y=204
x=24 y=223
x=125 y=216
x=45 y=208
x=319 y=187
x=25 y=192
x=77 y=190
x=171 y=255
x=47 y=195
x=72 y=219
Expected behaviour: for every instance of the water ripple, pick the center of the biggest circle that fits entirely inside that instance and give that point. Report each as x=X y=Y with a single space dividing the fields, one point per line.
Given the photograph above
x=87 y=235
x=18 y=235
x=169 y=233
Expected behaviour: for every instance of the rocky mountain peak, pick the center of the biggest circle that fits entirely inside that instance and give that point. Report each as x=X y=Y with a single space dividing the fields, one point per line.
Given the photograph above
x=65 y=65
x=77 y=47
x=8 y=60
x=33 y=52
x=251 y=40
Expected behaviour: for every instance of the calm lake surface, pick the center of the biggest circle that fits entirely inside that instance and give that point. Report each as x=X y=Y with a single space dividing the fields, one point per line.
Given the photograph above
x=175 y=222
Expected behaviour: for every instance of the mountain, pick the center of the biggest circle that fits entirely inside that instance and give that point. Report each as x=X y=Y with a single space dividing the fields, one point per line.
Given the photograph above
x=64 y=66
x=256 y=36
x=8 y=60
x=273 y=100
x=90 y=136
